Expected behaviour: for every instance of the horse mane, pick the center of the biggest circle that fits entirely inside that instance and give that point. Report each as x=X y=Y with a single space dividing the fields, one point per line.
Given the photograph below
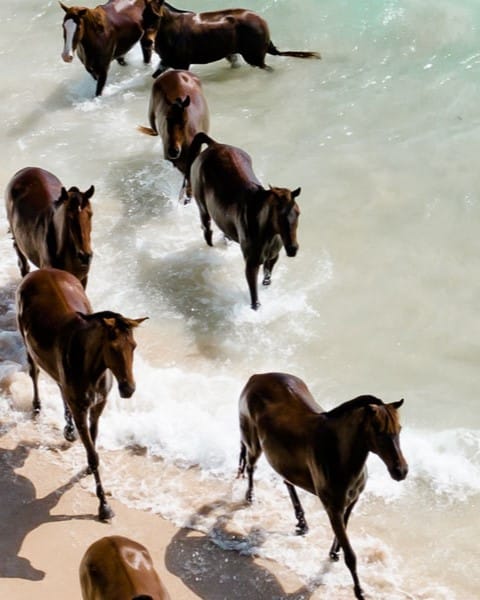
x=358 y=402
x=106 y=314
x=177 y=10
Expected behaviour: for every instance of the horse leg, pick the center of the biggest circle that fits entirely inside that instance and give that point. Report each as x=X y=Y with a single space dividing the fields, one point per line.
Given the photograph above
x=250 y=451
x=267 y=270
x=146 y=44
x=80 y=417
x=255 y=58
x=302 y=526
x=22 y=260
x=233 y=60
x=338 y=525
x=159 y=70
x=69 y=430
x=95 y=413
x=101 y=80
x=206 y=223
x=251 y=273
x=33 y=372
x=335 y=545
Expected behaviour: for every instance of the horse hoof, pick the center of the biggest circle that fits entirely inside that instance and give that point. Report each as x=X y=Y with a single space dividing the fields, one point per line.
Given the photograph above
x=301 y=529
x=358 y=593
x=69 y=433
x=105 y=513
x=267 y=280
x=255 y=305
x=334 y=556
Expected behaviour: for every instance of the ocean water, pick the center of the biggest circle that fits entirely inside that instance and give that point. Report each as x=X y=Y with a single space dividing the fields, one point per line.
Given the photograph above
x=382 y=136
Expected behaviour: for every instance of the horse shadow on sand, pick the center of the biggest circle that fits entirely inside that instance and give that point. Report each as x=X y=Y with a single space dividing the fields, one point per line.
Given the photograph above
x=204 y=567
x=21 y=512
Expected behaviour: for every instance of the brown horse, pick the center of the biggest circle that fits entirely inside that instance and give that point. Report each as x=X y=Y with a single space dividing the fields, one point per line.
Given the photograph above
x=184 y=38
x=79 y=350
x=177 y=111
x=324 y=453
x=227 y=190
x=106 y=33
x=50 y=226
x=118 y=568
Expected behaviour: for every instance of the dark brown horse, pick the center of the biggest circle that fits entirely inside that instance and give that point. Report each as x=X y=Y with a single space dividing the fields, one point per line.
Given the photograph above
x=105 y=33
x=178 y=110
x=50 y=226
x=118 y=568
x=184 y=38
x=227 y=190
x=322 y=452
x=79 y=350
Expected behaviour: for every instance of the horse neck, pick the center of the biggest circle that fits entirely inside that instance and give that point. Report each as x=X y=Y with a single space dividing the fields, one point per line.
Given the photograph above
x=58 y=238
x=170 y=16
x=90 y=38
x=85 y=351
x=346 y=441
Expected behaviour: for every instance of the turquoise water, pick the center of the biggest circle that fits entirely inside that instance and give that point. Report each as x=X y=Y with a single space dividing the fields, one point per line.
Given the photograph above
x=382 y=136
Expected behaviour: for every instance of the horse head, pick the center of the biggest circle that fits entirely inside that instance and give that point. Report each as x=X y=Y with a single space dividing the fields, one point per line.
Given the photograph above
x=176 y=127
x=285 y=213
x=73 y=225
x=73 y=29
x=118 y=348
x=383 y=434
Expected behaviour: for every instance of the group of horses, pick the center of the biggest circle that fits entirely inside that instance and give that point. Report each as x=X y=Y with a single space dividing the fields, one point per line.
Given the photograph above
x=322 y=452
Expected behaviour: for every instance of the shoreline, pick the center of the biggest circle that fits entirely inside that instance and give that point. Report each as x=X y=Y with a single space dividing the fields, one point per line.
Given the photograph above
x=48 y=521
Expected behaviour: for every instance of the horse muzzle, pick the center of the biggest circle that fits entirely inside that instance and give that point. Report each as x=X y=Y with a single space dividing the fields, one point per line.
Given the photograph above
x=126 y=389
x=174 y=152
x=84 y=258
x=399 y=472
x=67 y=57
x=291 y=250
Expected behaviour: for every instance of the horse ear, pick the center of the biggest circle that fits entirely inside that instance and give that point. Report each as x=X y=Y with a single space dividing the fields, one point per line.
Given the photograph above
x=65 y=8
x=109 y=322
x=89 y=193
x=398 y=404
x=62 y=198
x=156 y=6
x=186 y=102
x=296 y=192
x=136 y=322
x=82 y=12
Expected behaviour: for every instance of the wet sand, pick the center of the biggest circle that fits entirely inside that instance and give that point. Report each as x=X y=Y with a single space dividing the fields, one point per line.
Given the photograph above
x=48 y=519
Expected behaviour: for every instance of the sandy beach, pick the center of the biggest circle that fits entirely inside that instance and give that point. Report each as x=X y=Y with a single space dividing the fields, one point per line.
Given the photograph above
x=48 y=519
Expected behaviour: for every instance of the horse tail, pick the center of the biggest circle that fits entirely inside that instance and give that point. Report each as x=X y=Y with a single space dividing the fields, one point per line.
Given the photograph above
x=146 y=130
x=272 y=49
x=193 y=151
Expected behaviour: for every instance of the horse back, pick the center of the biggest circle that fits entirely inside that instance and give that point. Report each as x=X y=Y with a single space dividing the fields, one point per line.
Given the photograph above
x=198 y=38
x=47 y=302
x=111 y=30
x=30 y=195
x=285 y=418
x=281 y=398
x=179 y=83
x=223 y=181
x=225 y=172
x=120 y=568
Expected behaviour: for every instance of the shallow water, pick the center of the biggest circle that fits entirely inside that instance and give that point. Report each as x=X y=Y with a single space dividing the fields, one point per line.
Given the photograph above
x=382 y=297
